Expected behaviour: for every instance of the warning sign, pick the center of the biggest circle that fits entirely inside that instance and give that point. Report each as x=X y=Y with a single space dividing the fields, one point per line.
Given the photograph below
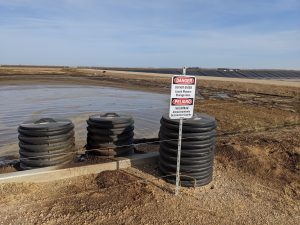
x=182 y=97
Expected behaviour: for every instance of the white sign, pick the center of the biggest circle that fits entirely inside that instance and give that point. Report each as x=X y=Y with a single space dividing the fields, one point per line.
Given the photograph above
x=182 y=97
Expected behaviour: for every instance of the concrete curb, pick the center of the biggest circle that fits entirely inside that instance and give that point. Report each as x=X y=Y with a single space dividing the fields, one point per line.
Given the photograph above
x=54 y=173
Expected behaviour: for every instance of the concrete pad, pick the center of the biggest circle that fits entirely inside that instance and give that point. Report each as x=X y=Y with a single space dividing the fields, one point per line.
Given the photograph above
x=54 y=173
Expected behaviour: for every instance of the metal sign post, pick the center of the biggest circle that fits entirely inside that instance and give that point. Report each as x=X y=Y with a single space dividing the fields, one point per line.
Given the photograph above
x=179 y=147
x=178 y=157
x=184 y=70
x=181 y=107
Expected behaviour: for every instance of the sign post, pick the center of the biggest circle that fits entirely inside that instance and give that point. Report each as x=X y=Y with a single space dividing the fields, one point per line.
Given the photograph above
x=181 y=107
x=178 y=157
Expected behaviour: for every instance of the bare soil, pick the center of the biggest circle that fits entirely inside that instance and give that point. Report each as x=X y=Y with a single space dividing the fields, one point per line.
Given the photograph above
x=256 y=172
x=255 y=181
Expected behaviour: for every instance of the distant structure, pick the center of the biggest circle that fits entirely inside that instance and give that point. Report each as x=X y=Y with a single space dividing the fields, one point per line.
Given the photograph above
x=226 y=69
x=218 y=72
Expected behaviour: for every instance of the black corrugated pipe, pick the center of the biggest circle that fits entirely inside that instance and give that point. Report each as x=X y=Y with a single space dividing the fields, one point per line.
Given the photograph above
x=197 y=149
x=110 y=134
x=46 y=142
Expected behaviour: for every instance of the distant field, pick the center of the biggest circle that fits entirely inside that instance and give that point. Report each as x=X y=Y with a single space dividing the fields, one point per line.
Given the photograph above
x=231 y=73
x=219 y=72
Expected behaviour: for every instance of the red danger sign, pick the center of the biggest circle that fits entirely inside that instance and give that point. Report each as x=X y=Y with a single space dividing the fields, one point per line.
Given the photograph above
x=182 y=101
x=183 y=80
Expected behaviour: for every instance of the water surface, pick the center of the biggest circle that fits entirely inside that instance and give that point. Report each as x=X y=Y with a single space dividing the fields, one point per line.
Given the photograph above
x=76 y=102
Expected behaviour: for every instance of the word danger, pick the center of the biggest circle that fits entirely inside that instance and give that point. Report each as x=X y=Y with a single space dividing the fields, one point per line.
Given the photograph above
x=182 y=101
x=183 y=80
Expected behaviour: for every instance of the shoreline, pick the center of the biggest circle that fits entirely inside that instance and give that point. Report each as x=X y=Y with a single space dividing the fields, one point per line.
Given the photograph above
x=144 y=81
x=74 y=80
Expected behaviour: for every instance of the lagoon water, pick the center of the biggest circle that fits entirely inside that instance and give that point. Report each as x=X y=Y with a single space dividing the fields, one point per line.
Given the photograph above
x=76 y=102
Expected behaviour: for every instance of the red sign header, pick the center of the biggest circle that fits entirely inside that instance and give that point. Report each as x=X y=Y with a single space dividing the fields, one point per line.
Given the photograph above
x=182 y=101
x=183 y=80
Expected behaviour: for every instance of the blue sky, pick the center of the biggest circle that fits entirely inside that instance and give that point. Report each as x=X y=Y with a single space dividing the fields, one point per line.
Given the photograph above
x=158 y=33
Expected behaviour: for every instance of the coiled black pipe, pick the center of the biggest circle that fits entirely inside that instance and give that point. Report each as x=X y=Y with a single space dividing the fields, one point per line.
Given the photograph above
x=46 y=142
x=197 y=149
x=110 y=134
